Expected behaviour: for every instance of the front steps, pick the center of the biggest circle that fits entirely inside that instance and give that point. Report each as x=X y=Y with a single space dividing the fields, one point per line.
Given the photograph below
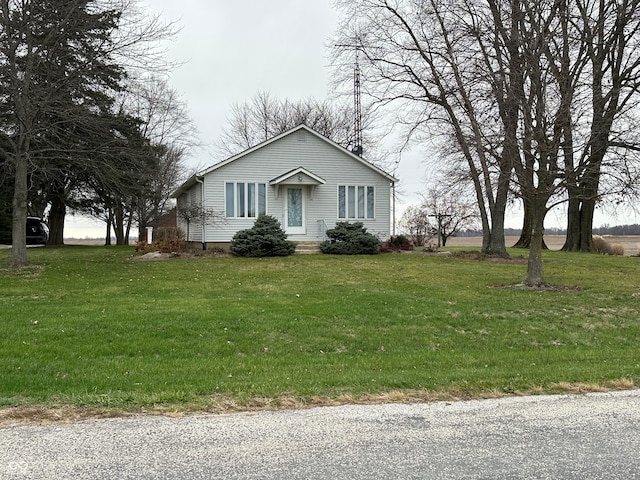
x=307 y=247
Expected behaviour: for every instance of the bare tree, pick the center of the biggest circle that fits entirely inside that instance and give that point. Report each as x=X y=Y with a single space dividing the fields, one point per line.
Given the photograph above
x=531 y=92
x=604 y=145
x=166 y=123
x=449 y=212
x=264 y=117
x=588 y=68
x=415 y=222
x=163 y=114
x=420 y=58
x=192 y=213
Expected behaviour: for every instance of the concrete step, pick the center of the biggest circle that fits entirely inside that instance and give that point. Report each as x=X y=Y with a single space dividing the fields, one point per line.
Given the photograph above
x=307 y=247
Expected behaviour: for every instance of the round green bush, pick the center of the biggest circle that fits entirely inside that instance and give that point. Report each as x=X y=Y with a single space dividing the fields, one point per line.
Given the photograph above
x=350 y=239
x=265 y=239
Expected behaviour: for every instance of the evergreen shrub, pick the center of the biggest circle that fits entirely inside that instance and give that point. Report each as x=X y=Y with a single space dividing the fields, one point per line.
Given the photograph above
x=265 y=239
x=350 y=239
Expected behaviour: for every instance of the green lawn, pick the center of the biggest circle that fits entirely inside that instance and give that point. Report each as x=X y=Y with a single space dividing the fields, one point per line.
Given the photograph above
x=87 y=326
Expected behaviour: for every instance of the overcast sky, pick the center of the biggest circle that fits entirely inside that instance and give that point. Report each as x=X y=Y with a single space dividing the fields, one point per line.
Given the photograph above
x=230 y=50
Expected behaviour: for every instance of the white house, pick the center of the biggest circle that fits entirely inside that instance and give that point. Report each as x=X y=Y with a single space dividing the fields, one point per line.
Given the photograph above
x=302 y=178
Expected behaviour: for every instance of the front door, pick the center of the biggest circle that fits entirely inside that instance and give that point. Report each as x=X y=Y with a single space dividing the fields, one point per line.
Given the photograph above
x=294 y=214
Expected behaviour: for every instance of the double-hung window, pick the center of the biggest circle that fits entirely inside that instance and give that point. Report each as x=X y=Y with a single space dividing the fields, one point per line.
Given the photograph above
x=356 y=202
x=245 y=200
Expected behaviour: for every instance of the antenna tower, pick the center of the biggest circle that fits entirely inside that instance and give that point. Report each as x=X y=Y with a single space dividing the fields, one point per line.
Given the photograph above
x=357 y=107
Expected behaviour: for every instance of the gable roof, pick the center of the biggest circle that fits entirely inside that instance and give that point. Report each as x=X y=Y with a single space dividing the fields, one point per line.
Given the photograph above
x=289 y=132
x=198 y=176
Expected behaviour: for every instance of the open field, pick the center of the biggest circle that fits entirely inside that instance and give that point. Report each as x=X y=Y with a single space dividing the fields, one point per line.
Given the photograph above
x=90 y=327
x=554 y=242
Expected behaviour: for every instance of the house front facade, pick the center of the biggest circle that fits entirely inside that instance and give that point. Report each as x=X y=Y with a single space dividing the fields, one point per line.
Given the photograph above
x=305 y=180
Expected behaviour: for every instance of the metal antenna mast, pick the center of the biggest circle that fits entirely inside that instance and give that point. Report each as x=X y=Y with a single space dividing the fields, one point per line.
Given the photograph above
x=357 y=107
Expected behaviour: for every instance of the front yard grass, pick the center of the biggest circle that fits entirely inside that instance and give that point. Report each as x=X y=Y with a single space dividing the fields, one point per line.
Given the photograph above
x=88 y=327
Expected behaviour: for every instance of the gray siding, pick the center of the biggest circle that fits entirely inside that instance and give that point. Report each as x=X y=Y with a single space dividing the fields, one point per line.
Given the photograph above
x=298 y=149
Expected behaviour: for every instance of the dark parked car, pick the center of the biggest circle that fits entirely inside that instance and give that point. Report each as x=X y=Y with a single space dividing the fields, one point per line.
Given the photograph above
x=37 y=231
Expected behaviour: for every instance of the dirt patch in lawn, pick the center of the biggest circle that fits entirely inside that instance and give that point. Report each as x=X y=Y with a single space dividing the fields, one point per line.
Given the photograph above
x=539 y=288
x=159 y=256
x=477 y=255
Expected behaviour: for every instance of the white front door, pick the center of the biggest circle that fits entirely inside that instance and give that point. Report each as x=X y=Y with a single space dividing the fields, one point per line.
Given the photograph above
x=294 y=213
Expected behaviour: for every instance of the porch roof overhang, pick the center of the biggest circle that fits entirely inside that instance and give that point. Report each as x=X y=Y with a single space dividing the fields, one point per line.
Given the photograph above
x=297 y=176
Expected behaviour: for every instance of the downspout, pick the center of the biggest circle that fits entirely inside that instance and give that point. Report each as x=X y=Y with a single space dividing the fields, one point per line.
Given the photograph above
x=200 y=180
x=393 y=193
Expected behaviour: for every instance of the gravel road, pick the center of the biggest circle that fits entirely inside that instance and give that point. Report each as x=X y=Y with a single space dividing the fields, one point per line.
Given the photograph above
x=593 y=436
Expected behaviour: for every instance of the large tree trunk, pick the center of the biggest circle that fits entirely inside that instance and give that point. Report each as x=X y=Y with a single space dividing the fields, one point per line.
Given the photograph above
x=535 y=277
x=572 y=241
x=586 y=225
x=127 y=232
x=18 y=257
x=56 y=221
x=118 y=225
x=527 y=228
x=107 y=239
x=581 y=209
x=496 y=244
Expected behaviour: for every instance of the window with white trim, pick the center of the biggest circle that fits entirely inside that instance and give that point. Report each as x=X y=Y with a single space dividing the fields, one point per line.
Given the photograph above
x=245 y=200
x=356 y=202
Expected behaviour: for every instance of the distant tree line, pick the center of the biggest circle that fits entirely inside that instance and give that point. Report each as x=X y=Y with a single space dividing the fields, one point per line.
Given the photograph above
x=617 y=230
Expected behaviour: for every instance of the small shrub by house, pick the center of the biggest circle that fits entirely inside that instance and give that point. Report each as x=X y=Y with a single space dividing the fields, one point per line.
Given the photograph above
x=165 y=240
x=265 y=239
x=164 y=234
x=397 y=243
x=350 y=239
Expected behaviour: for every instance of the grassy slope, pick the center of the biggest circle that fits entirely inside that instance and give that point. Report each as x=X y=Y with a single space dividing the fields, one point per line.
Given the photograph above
x=90 y=327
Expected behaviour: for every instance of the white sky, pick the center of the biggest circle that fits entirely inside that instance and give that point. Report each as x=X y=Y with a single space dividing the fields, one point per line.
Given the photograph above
x=230 y=50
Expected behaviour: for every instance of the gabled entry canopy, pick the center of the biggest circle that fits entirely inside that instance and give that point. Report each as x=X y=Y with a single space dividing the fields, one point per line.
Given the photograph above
x=297 y=176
